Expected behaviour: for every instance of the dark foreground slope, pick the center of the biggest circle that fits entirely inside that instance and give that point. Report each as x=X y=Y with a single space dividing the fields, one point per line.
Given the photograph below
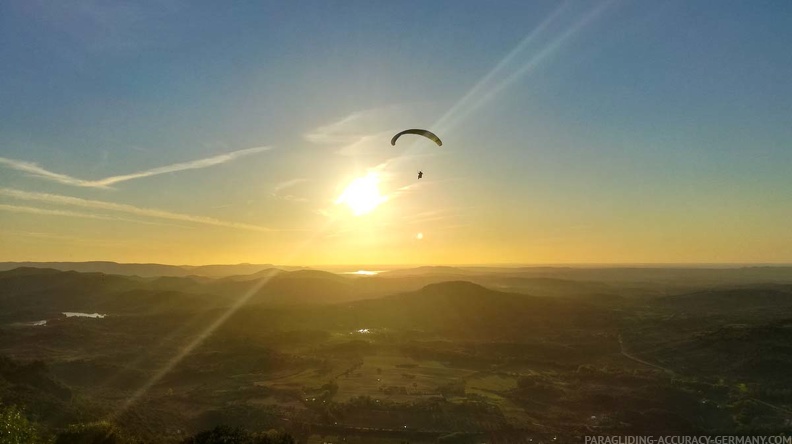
x=316 y=354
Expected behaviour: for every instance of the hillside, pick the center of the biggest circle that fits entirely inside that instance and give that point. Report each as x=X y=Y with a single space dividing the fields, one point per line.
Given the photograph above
x=145 y=270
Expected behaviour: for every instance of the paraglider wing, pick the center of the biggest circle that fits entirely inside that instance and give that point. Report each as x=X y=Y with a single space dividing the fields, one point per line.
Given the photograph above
x=420 y=132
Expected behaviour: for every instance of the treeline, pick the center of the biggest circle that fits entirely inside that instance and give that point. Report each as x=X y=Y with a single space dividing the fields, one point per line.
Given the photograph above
x=16 y=428
x=36 y=408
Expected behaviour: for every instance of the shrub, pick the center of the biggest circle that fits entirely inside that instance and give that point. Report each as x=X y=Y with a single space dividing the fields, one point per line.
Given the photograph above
x=15 y=427
x=100 y=432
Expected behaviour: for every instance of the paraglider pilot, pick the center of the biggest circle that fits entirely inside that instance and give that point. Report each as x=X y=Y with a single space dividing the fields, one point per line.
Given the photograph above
x=420 y=174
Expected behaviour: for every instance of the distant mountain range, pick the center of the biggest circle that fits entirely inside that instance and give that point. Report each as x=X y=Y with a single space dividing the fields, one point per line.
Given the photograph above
x=673 y=276
x=51 y=287
x=147 y=270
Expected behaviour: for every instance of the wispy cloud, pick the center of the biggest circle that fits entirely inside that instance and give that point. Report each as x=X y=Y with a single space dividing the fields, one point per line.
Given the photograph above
x=338 y=132
x=279 y=193
x=192 y=165
x=289 y=183
x=50 y=212
x=365 y=135
x=68 y=213
x=50 y=237
x=35 y=170
x=360 y=132
x=127 y=209
x=351 y=143
x=432 y=216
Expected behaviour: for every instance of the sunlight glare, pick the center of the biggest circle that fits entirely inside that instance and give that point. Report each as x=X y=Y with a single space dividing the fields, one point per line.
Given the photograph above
x=362 y=195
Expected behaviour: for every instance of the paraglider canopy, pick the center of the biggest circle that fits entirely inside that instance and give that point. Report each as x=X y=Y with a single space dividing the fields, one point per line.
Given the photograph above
x=420 y=132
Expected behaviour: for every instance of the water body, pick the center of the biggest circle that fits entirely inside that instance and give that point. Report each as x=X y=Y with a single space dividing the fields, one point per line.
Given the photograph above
x=68 y=314
x=364 y=272
x=71 y=314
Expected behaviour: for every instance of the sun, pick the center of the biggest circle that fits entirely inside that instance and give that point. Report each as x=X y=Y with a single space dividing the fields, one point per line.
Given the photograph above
x=362 y=195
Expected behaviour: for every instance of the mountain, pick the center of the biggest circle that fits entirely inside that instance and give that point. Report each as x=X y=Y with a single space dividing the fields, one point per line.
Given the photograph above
x=32 y=386
x=31 y=294
x=263 y=274
x=774 y=297
x=48 y=292
x=746 y=352
x=145 y=270
x=227 y=270
x=462 y=306
x=655 y=274
x=429 y=270
x=305 y=287
x=553 y=287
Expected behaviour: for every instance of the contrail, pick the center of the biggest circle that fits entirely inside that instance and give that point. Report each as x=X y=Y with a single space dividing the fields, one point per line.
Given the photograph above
x=34 y=170
x=193 y=165
x=48 y=212
x=129 y=209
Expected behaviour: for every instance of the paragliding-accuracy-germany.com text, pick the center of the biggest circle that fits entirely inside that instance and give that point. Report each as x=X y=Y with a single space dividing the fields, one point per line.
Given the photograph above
x=683 y=439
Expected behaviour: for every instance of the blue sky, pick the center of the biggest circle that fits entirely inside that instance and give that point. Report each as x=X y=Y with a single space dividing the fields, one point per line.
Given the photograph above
x=196 y=132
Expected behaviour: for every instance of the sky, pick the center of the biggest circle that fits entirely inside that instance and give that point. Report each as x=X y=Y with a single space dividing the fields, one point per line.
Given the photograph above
x=573 y=132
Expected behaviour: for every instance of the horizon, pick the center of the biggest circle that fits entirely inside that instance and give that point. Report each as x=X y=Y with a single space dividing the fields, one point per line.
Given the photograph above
x=366 y=267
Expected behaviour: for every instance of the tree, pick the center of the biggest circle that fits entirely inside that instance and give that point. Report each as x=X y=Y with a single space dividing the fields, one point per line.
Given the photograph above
x=224 y=434
x=100 y=432
x=15 y=427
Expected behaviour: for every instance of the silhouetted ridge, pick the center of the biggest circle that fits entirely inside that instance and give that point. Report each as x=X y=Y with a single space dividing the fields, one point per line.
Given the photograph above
x=311 y=274
x=460 y=294
x=428 y=270
x=466 y=309
x=305 y=287
x=461 y=288
x=726 y=299
x=144 y=270
x=29 y=271
x=267 y=273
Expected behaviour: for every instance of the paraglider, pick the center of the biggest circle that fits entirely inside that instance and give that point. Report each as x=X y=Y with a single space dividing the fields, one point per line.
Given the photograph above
x=419 y=132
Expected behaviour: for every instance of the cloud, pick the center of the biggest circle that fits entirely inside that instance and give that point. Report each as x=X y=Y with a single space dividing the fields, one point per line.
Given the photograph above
x=351 y=143
x=49 y=212
x=37 y=171
x=82 y=241
x=368 y=143
x=362 y=131
x=289 y=183
x=67 y=213
x=193 y=165
x=432 y=216
x=278 y=192
x=124 y=208
x=339 y=132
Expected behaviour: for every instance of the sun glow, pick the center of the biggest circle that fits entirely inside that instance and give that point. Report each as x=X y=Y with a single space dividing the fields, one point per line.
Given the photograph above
x=362 y=195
